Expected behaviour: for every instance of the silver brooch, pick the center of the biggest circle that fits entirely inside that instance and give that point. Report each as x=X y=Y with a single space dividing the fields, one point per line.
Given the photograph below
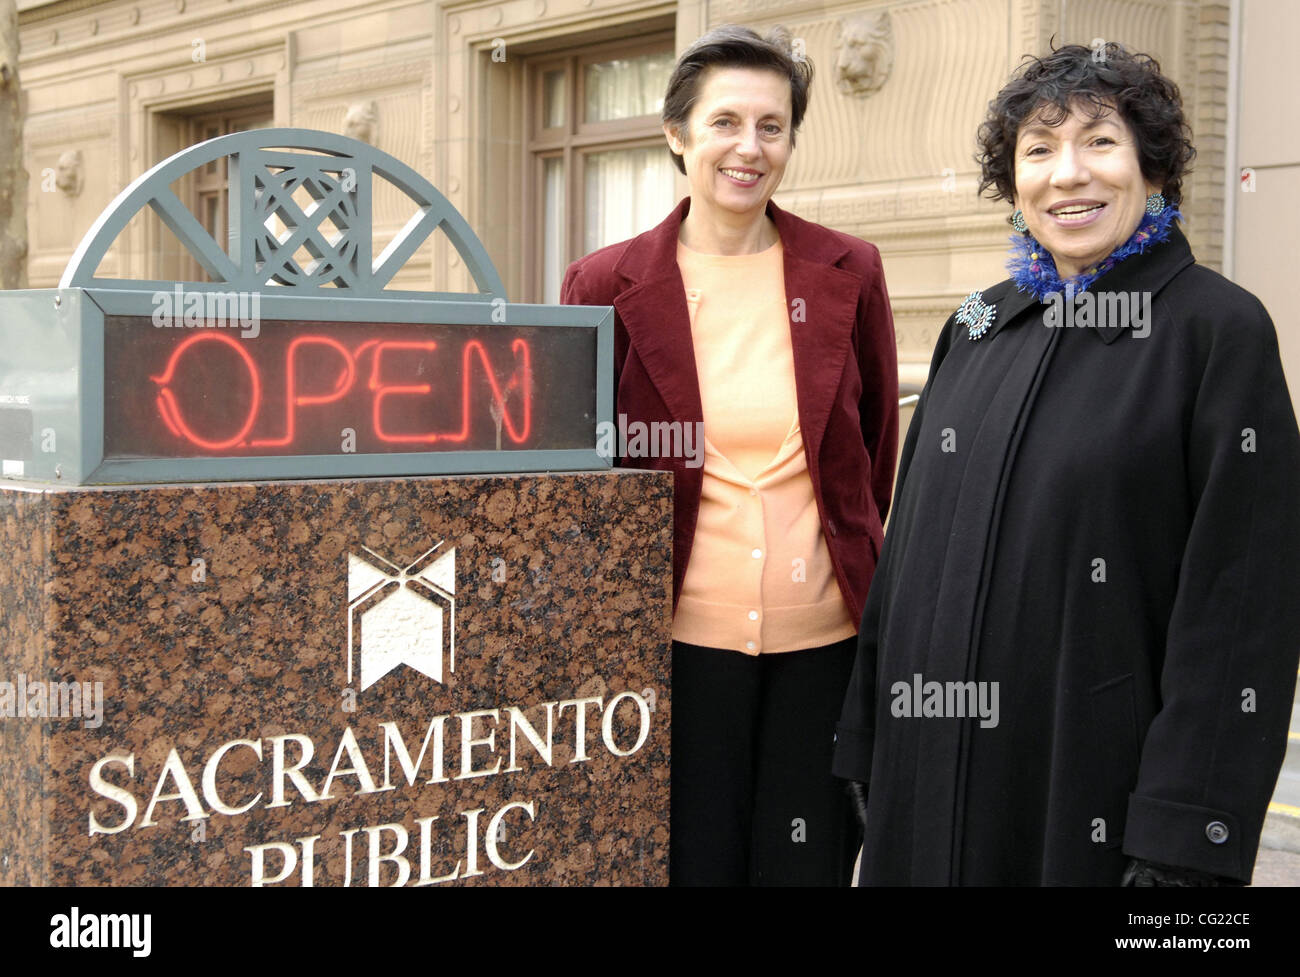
x=976 y=314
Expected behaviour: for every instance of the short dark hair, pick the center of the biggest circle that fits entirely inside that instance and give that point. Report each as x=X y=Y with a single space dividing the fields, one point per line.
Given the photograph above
x=734 y=46
x=1100 y=79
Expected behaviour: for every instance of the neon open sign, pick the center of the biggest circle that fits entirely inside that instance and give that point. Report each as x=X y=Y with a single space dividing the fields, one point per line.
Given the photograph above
x=274 y=366
x=321 y=388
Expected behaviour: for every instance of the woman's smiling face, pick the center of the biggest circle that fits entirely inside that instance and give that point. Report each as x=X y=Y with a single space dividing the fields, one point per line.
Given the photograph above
x=736 y=142
x=1080 y=186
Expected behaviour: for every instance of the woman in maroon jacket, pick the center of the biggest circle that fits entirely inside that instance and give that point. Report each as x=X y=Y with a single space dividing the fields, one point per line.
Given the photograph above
x=774 y=337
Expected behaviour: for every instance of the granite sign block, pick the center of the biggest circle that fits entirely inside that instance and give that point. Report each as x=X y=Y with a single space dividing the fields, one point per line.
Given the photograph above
x=412 y=681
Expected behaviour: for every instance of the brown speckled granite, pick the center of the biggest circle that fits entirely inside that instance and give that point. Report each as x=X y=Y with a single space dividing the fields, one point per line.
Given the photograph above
x=97 y=586
x=24 y=529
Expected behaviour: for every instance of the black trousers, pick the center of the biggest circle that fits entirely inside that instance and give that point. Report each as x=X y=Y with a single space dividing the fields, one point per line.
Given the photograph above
x=753 y=799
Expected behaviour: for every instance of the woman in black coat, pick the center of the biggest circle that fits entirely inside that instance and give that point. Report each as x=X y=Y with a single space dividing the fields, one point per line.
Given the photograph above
x=1078 y=654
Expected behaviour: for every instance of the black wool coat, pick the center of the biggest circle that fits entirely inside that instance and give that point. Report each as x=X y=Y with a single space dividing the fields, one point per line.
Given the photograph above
x=1106 y=525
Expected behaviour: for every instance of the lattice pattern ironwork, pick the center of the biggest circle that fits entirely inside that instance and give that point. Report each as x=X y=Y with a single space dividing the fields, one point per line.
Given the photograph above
x=333 y=193
x=325 y=245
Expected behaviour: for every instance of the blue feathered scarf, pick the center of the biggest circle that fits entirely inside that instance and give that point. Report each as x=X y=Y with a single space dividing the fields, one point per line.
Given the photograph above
x=1034 y=271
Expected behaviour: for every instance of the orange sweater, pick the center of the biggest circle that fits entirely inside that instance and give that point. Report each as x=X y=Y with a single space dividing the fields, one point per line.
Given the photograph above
x=760 y=578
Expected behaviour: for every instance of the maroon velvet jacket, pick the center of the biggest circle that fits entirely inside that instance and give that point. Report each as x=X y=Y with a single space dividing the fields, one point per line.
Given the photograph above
x=845 y=367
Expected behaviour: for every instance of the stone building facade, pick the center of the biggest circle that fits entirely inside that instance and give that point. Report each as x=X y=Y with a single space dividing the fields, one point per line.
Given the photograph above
x=537 y=119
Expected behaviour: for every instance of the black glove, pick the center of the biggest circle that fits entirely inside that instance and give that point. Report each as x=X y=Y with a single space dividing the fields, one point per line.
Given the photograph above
x=1143 y=875
x=857 y=792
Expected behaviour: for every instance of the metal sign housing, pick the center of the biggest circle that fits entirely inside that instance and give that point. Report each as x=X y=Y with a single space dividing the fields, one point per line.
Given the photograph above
x=301 y=248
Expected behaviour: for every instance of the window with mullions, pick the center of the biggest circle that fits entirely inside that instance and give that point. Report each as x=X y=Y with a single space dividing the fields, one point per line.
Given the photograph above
x=600 y=171
x=205 y=192
x=212 y=185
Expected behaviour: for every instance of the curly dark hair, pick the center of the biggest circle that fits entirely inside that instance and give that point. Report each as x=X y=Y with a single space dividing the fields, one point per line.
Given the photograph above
x=734 y=46
x=1100 y=80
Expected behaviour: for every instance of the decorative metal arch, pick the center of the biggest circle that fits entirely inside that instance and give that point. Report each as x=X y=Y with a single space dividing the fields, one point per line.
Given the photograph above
x=338 y=174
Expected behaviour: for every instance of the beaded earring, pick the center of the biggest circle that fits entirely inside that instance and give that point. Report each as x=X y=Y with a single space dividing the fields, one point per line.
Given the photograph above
x=1018 y=221
x=1155 y=204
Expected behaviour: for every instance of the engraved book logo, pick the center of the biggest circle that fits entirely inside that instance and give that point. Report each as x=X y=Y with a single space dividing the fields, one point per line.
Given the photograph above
x=401 y=615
